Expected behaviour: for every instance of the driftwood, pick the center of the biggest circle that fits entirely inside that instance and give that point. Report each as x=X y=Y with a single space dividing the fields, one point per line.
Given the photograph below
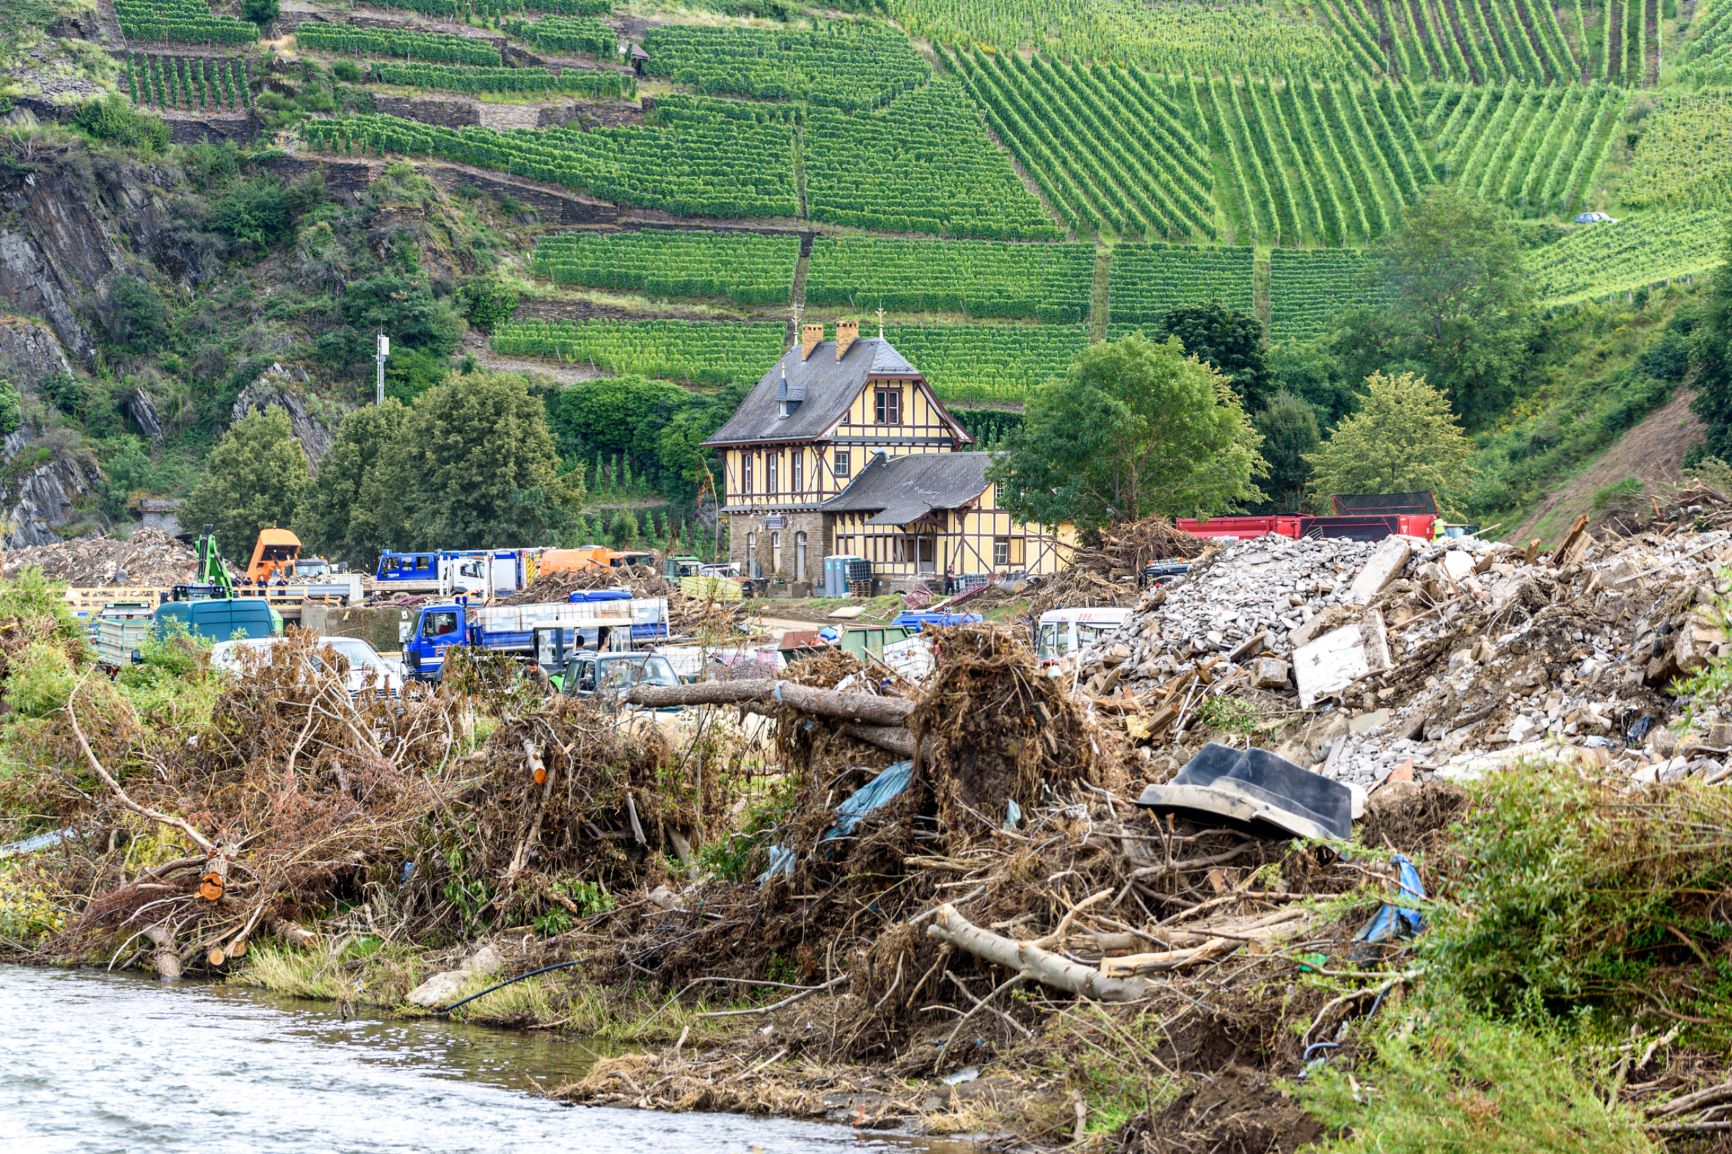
x=1033 y=962
x=857 y=708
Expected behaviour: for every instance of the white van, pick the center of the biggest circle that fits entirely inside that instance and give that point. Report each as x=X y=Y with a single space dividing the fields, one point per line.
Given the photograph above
x=1063 y=633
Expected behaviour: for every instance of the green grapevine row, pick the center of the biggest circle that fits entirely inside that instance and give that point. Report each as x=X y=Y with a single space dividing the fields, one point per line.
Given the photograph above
x=1538 y=149
x=475 y=78
x=844 y=64
x=1311 y=163
x=982 y=279
x=188 y=82
x=1167 y=36
x=183 y=21
x=1104 y=145
x=751 y=268
x=493 y=8
x=1147 y=281
x=696 y=352
x=922 y=164
x=402 y=43
x=988 y=362
x=693 y=156
x=1597 y=260
x=1685 y=154
x=1708 y=55
x=1310 y=289
x=567 y=34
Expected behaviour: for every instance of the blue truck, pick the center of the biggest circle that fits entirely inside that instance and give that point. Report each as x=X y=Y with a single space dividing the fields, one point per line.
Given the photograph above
x=593 y=619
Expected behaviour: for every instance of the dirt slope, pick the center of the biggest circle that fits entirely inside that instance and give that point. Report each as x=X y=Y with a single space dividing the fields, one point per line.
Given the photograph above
x=1652 y=452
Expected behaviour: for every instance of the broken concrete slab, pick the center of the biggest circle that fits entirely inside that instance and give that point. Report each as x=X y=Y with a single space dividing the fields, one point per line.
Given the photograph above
x=1271 y=673
x=1339 y=658
x=1385 y=562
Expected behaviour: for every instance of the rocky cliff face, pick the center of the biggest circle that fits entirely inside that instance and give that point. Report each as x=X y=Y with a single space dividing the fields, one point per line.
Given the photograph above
x=47 y=477
x=70 y=218
x=285 y=389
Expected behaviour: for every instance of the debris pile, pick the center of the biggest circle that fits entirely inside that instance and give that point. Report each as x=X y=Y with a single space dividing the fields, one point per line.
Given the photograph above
x=642 y=580
x=1417 y=657
x=147 y=557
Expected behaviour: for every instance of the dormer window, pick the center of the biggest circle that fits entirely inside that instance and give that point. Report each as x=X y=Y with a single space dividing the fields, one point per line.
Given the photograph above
x=887 y=406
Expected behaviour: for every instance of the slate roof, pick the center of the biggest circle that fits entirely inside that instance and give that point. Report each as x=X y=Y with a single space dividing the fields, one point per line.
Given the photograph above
x=899 y=490
x=824 y=386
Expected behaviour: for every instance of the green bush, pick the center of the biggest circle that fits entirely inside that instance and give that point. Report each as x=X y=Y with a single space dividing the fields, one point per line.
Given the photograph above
x=113 y=119
x=39 y=680
x=1456 y=1083
x=1569 y=895
x=32 y=596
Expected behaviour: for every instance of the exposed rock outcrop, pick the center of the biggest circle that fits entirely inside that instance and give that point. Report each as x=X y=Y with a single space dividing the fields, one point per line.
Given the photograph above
x=140 y=406
x=70 y=218
x=47 y=494
x=285 y=389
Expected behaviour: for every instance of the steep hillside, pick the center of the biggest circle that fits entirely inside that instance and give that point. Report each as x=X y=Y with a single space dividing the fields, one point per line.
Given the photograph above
x=1005 y=182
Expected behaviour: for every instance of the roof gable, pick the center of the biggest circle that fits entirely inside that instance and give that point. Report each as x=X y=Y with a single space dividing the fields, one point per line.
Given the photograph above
x=899 y=490
x=823 y=385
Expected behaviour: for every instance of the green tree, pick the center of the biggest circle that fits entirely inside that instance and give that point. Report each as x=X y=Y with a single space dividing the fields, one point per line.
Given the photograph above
x=260 y=12
x=1289 y=428
x=11 y=408
x=1711 y=353
x=1404 y=438
x=133 y=314
x=1137 y=428
x=485 y=301
x=477 y=468
x=1457 y=305
x=254 y=478
x=1229 y=340
x=352 y=510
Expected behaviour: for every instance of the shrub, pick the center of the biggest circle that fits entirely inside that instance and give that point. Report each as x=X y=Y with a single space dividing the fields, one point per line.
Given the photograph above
x=112 y=119
x=39 y=680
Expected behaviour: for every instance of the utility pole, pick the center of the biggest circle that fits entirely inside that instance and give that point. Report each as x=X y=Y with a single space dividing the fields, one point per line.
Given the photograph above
x=381 y=351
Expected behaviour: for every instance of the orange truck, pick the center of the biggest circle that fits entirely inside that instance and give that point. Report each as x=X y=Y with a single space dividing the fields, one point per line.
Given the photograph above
x=590 y=557
x=274 y=556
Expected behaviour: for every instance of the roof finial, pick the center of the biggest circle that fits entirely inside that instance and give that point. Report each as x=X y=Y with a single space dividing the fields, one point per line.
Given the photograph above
x=880 y=322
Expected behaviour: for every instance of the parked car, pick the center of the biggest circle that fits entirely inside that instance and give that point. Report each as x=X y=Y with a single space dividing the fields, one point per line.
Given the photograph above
x=1595 y=218
x=363 y=668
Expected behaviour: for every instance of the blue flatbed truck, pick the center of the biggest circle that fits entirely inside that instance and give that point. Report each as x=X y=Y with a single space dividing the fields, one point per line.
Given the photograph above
x=596 y=619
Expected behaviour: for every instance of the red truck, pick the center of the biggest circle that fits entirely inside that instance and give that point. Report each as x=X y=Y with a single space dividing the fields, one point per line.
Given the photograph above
x=1358 y=517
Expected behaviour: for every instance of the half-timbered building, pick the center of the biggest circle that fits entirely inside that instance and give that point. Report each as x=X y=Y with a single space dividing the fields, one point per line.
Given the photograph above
x=842 y=448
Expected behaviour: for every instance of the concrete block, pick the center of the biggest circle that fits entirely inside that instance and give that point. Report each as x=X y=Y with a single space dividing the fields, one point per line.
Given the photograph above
x=1271 y=673
x=1457 y=565
x=1340 y=657
x=1380 y=569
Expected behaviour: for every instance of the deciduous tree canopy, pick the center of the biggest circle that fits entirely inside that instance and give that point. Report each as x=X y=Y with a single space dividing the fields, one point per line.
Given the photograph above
x=1404 y=438
x=1137 y=428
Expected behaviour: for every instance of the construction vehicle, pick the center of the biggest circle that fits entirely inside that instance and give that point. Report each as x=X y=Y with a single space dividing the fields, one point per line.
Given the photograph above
x=594 y=619
x=673 y=568
x=1062 y=633
x=274 y=557
x=407 y=572
x=487 y=573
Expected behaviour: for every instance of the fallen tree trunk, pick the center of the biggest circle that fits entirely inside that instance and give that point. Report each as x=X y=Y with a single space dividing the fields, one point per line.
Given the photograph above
x=890 y=738
x=859 y=708
x=1032 y=962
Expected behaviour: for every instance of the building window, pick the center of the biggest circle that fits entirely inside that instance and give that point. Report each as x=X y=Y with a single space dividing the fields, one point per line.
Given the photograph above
x=746 y=473
x=771 y=463
x=901 y=548
x=799 y=471
x=888 y=407
x=1001 y=552
x=842 y=463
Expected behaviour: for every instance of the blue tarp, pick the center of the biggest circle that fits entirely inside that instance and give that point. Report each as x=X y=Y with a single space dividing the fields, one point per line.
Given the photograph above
x=889 y=785
x=914 y=622
x=1393 y=921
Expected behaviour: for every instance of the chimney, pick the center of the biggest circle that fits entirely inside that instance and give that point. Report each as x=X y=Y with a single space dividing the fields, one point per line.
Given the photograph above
x=847 y=332
x=811 y=336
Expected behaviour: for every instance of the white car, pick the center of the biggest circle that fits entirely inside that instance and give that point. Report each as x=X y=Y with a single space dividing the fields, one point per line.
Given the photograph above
x=365 y=666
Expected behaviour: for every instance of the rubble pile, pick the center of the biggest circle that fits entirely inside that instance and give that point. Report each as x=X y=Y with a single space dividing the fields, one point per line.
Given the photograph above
x=147 y=557
x=1444 y=658
x=1248 y=599
x=642 y=580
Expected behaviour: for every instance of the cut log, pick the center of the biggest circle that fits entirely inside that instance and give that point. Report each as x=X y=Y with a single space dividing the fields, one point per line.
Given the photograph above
x=215 y=956
x=859 y=708
x=214 y=880
x=1032 y=962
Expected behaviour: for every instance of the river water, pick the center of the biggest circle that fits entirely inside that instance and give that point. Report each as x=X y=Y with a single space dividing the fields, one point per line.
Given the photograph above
x=98 y=1063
